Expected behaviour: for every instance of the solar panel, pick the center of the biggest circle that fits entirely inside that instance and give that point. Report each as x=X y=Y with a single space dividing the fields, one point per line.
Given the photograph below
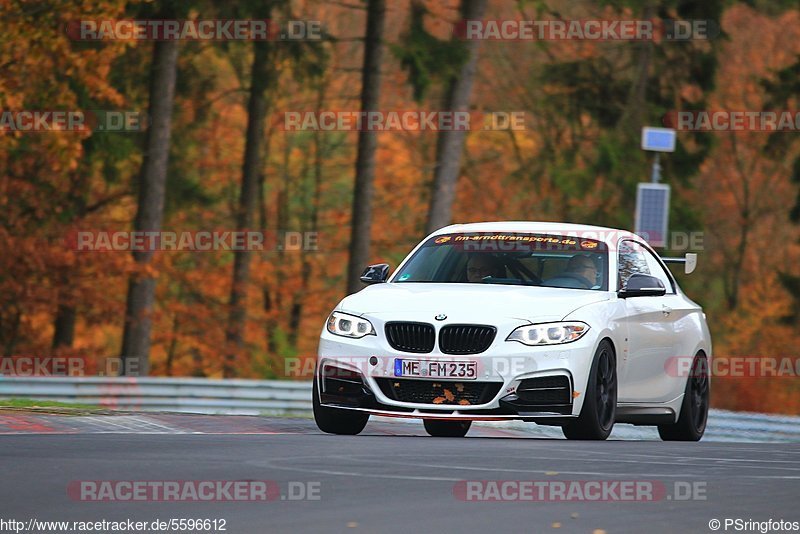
x=658 y=139
x=652 y=213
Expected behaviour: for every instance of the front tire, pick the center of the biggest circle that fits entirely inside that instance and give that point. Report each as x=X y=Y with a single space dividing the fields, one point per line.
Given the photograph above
x=691 y=424
x=446 y=429
x=600 y=404
x=337 y=420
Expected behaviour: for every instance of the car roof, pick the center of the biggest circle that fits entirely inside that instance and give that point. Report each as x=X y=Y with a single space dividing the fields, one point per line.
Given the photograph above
x=600 y=233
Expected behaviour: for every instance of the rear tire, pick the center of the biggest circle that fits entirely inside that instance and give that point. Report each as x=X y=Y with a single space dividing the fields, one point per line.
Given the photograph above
x=600 y=404
x=446 y=429
x=337 y=420
x=691 y=424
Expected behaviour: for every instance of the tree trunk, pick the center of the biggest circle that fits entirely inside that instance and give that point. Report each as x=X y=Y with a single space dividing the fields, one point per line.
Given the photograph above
x=141 y=288
x=367 y=144
x=66 y=311
x=306 y=269
x=633 y=117
x=173 y=346
x=450 y=143
x=270 y=324
x=64 y=332
x=251 y=168
x=12 y=337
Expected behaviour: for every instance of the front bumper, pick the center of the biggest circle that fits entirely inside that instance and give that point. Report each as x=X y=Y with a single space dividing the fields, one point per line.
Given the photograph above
x=541 y=384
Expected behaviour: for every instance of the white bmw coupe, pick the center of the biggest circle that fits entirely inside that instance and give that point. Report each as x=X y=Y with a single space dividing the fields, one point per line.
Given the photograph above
x=557 y=324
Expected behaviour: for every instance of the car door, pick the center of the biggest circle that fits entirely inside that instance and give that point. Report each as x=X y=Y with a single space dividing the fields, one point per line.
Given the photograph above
x=651 y=336
x=679 y=313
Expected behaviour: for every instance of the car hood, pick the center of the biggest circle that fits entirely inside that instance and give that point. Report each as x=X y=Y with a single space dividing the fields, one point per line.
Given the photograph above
x=473 y=301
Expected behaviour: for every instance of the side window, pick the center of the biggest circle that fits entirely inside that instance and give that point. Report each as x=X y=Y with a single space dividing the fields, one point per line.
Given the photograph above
x=631 y=261
x=658 y=271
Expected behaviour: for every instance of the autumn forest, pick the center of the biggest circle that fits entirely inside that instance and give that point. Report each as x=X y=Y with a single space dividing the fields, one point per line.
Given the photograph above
x=213 y=153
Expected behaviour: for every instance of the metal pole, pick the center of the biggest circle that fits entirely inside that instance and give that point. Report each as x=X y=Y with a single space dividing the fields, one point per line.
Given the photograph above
x=655 y=177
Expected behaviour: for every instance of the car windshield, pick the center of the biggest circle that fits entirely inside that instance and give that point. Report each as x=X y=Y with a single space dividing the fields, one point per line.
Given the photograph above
x=512 y=259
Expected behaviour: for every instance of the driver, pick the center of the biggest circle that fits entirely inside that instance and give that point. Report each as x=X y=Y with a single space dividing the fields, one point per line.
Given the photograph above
x=480 y=266
x=582 y=267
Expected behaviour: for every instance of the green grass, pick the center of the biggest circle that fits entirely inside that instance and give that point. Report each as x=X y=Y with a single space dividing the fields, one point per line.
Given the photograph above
x=30 y=403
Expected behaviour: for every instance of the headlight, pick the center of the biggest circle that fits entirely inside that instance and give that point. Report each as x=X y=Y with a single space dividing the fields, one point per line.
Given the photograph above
x=548 y=333
x=344 y=324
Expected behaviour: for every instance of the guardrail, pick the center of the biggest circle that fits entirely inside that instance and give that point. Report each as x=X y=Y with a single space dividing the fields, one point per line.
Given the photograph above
x=194 y=395
x=280 y=397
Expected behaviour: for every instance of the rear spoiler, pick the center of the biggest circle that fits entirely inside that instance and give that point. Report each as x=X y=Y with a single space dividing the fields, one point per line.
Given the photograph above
x=689 y=262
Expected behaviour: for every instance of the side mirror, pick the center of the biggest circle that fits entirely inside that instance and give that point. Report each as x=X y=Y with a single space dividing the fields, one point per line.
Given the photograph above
x=642 y=285
x=375 y=274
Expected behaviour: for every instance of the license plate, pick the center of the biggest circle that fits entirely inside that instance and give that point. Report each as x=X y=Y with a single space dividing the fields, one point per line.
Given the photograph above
x=435 y=369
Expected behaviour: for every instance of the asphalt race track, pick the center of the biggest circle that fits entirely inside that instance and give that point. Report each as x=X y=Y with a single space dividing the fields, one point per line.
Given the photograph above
x=391 y=478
